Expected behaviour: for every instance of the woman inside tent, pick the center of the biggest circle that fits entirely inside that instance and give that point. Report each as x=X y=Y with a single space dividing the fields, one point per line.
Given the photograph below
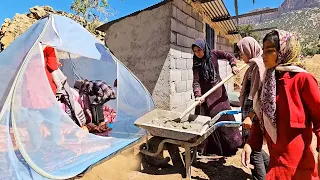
x=225 y=140
x=287 y=106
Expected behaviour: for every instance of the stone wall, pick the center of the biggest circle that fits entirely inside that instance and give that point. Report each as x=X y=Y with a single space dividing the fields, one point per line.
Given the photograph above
x=223 y=44
x=186 y=25
x=142 y=43
x=161 y=55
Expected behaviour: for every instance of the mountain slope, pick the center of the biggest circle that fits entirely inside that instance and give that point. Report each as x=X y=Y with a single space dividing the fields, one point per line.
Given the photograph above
x=305 y=22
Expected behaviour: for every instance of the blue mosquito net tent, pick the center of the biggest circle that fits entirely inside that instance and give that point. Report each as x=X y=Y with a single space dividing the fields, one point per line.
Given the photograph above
x=38 y=139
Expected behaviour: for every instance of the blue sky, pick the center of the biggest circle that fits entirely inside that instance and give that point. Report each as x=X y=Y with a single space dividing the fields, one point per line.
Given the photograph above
x=122 y=7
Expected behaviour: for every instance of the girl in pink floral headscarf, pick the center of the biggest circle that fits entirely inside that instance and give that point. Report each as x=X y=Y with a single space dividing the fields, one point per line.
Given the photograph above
x=288 y=108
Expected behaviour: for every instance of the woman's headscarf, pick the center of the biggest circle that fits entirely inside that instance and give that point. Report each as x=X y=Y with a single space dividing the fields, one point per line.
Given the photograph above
x=204 y=65
x=252 y=49
x=288 y=60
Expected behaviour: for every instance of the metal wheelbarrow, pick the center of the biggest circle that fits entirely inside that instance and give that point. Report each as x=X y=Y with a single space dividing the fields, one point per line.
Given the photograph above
x=185 y=138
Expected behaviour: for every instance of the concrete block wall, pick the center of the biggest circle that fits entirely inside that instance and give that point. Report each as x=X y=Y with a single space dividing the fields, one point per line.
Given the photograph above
x=223 y=44
x=186 y=26
x=142 y=43
x=181 y=78
x=161 y=55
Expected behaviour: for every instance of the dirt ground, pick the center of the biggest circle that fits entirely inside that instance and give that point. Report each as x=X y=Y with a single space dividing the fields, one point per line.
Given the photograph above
x=130 y=166
x=127 y=166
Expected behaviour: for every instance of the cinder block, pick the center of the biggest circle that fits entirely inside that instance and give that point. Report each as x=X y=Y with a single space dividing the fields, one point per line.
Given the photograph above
x=181 y=63
x=174 y=11
x=189 y=85
x=181 y=86
x=182 y=29
x=174 y=25
x=224 y=48
x=230 y=49
x=175 y=75
x=172 y=62
x=199 y=26
x=219 y=47
x=201 y=35
x=190 y=74
x=178 y=4
x=192 y=33
x=172 y=88
x=218 y=40
x=184 y=75
x=187 y=8
x=181 y=16
x=187 y=97
x=190 y=65
x=186 y=55
x=176 y=99
x=176 y=53
x=191 y=22
x=173 y=38
x=224 y=41
x=184 y=41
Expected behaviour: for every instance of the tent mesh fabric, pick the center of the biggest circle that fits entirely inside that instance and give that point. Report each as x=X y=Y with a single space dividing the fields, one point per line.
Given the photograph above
x=38 y=139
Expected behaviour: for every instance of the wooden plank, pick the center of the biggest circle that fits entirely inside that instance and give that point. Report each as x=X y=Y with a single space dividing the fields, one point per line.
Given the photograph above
x=256 y=13
x=224 y=18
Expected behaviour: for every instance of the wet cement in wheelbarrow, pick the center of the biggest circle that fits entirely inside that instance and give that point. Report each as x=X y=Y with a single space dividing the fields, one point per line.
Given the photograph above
x=169 y=123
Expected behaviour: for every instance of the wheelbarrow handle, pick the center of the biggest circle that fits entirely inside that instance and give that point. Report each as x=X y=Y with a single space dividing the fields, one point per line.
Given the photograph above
x=230 y=112
x=226 y=112
x=228 y=124
x=213 y=121
x=208 y=93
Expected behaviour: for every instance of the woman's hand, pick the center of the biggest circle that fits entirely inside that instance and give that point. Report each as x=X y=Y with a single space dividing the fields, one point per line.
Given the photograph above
x=245 y=156
x=200 y=99
x=247 y=123
x=85 y=129
x=44 y=131
x=235 y=70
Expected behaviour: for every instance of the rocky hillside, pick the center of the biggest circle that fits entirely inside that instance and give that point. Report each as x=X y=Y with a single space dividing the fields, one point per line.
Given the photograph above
x=291 y=5
x=11 y=29
x=305 y=22
x=300 y=16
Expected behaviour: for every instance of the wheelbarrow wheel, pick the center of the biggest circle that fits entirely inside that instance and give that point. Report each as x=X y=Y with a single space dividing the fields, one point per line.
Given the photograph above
x=158 y=160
